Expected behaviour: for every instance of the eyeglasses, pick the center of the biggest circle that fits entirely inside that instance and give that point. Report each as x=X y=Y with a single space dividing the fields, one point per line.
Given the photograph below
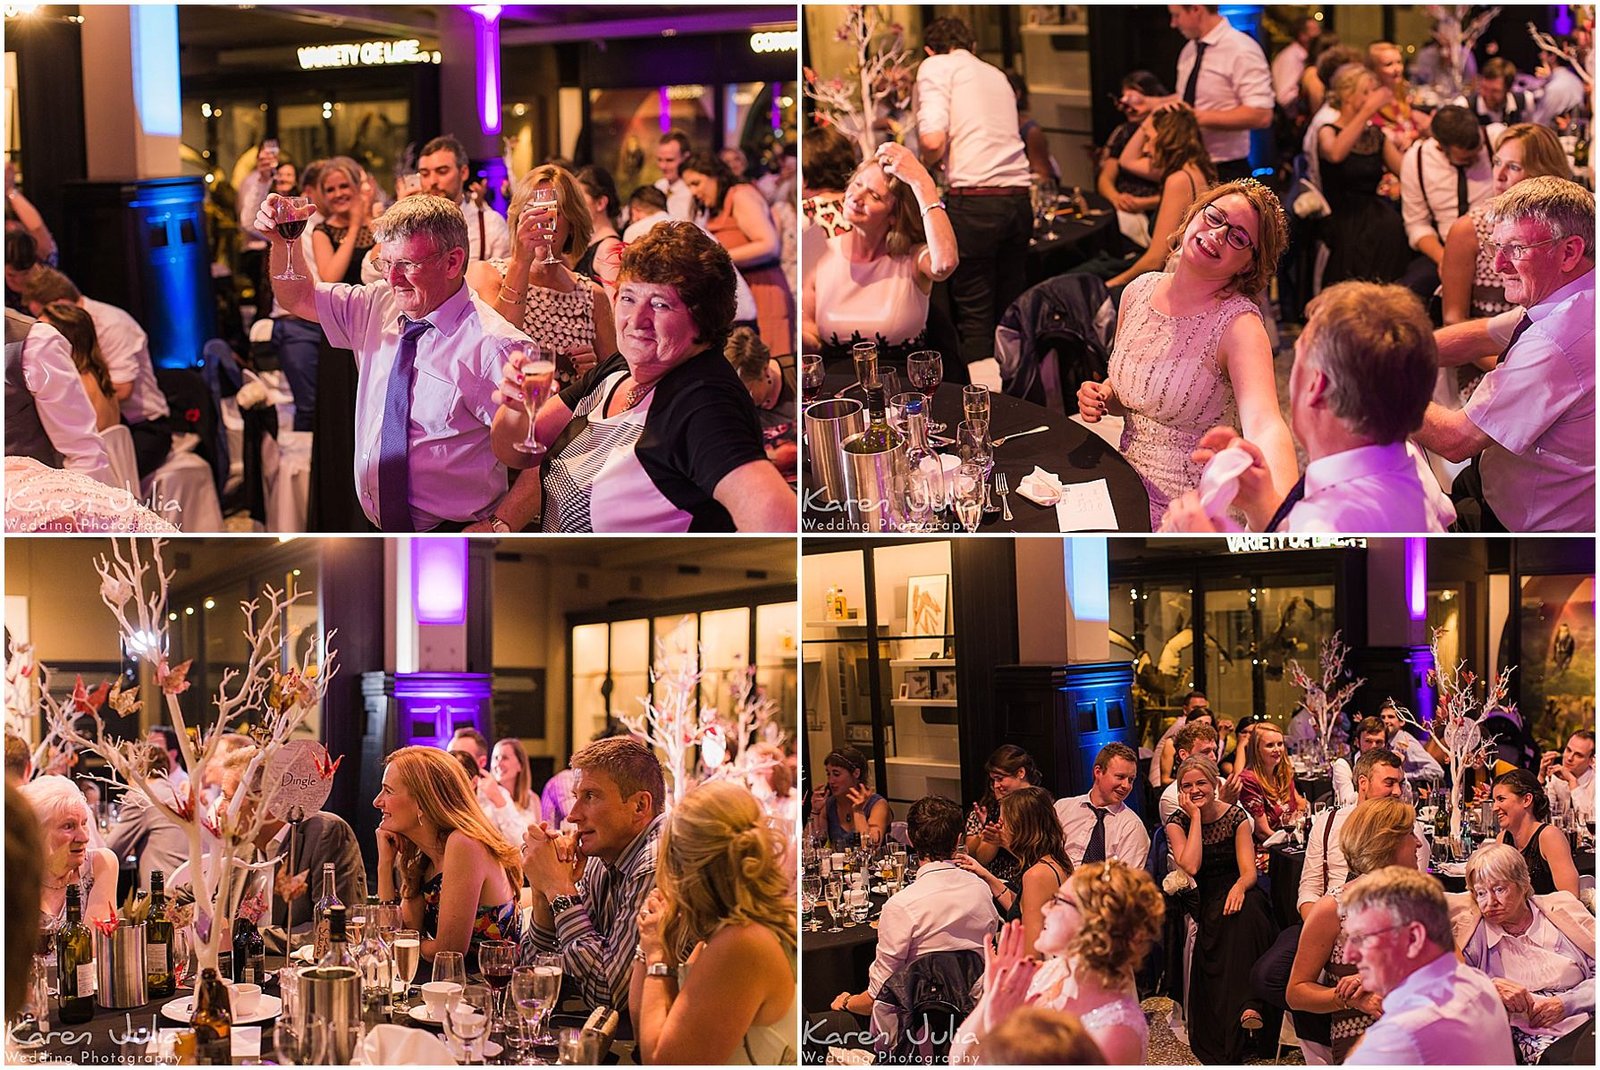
x=1057 y=901
x=1236 y=236
x=1361 y=940
x=1516 y=250
x=408 y=268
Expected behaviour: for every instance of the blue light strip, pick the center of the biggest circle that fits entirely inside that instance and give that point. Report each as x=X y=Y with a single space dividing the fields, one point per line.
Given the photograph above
x=154 y=29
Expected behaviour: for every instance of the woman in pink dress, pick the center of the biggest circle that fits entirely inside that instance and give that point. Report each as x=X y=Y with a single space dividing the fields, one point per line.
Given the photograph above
x=739 y=218
x=1192 y=352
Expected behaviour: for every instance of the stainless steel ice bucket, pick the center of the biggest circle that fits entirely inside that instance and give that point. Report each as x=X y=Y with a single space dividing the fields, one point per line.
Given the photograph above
x=119 y=966
x=829 y=423
x=874 y=487
x=332 y=994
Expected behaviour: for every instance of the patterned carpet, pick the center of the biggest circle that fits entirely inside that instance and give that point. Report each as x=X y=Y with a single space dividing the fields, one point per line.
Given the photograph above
x=1166 y=1049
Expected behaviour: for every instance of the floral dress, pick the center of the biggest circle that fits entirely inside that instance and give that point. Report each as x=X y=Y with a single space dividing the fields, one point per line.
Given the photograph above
x=503 y=922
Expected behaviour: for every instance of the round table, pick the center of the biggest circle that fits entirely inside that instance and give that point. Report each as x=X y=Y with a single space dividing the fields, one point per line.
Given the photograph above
x=1076 y=241
x=837 y=962
x=1070 y=450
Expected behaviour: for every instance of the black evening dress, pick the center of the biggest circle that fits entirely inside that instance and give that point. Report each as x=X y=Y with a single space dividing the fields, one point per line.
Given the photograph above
x=1364 y=234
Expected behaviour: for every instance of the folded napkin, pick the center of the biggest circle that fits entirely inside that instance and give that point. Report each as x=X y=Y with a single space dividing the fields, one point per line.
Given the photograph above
x=1040 y=487
x=399 y=1045
x=1281 y=836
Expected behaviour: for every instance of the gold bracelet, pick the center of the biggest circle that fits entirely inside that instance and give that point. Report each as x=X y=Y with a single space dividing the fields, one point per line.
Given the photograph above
x=500 y=295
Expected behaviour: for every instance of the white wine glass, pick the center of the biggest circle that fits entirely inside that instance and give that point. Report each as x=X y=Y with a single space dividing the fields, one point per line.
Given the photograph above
x=547 y=972
x=545 y=196
x=538 y=379
x=526 y=1001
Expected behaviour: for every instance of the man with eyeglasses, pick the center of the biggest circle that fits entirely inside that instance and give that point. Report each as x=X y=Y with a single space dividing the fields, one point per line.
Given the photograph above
x=1529 y=426
x=1436 y=1011
x=429 y=355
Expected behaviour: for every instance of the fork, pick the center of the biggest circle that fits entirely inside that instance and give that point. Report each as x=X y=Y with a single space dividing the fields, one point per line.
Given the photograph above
x=1002 y=487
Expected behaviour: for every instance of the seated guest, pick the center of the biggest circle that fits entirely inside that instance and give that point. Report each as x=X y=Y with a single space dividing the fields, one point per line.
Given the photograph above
x=1530 y=422
x=1195 y=704
x=1431 y=174
x=1167 y=150
x=1211 y=841
x=49 y=418
x=1034 y=140
x=1100 y=825
x=588 y=889
x=1194 y=740
x=1032 y=834
x=723 y=894
x=146 y=830
x=603 y=258
x=1364 y=236
x=1370 y=736
x=739 y=217
x=496 y=801
x=1537 y=949
x=1010 y=769
x=944 y=909
x=423 y=458
x=1034 y=1036
x=1401 y=122
x=1569 y=775
x=19 y=759
x=1378 y=832
x=1492 y=100
x=662 y=436
x=847 y=810
x=1523 y=812
x=78 y=329
x=1098 y=927
x=67 y=858
x=1362 y=376
x=773 y=393
x=126 y=349
x=432 y=829
x=1436 y=1011
x=513 y=773
x=831 y=158
x=1266 y=788
x=1418 y=762
x=773 y=785
x=1133 y=197
x=871 y=283
x=647 y=206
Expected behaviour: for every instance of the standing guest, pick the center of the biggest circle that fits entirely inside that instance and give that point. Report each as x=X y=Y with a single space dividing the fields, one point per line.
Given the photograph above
x=64 y=821
x=286 y=180
x=1537 y=949
x=1530 y=422
x=1267 y=792
x=1370 y=736
x=1211 y=841
x=944 y=909
x=722 y=893
x=739 y=217
x=253 y=190
x=1223 y=76
x=847 y=808
x=1314 y=88
x=671 y=152
x=603 y=258
x=1436 y=1011
x=1568 y=775
x=424 y=459
x=1010 y=768
x=444 y=167
x=1097 y=930
x=342 y=240
x=512 y=772
x=1100 y=824
x=1133 y=197
x=1378 y=832
x=871 y=282
x=23 y=213
x=78 y=329
x=1493 y=100
x=1365 y=238
x=1195 y=705
x=1418 y=762
x=49 y=418
x=1401 y=123
x=967 y=122
x=456 y=877
x=1166 y=149
x=589 y=889
x=299 y=344
x=1290 y=63
x=1032 y=834
x=1191 y=350
x=127 y=352
x=1195 y=740
x=1441 y=178
x=647 y=206
x=1523 y=811
x=773 y=394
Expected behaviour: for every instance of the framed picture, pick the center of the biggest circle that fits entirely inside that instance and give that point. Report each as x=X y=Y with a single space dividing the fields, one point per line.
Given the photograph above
x=944 y=683
x=927 y=600
x=918 y=683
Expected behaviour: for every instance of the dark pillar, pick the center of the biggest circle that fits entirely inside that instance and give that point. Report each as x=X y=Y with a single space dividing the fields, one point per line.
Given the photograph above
x=351 y=603
x=1063 y=715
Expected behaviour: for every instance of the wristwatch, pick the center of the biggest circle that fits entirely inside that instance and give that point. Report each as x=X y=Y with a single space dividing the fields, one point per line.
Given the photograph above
x=658 y=969
x=562 y=903
x=500 y=527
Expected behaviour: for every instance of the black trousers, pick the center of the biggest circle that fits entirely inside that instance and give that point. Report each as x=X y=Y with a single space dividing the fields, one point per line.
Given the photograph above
x=1472 y=508
x=1232 y=170
x=1270 y=980
x=1422 y=279
x=992 y=235
x=152 y=441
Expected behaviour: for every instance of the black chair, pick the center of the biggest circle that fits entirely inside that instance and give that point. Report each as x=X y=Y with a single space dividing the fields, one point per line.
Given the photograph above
x=1068 y=317
x=195 y=410
x=930 y=997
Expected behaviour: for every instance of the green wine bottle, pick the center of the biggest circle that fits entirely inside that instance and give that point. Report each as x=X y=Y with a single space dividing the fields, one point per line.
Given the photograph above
x=75 y=953
x=158 y=972
x=879 y=437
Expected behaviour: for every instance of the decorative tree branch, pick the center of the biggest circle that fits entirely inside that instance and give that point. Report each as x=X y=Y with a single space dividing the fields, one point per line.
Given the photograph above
x=1570 y=56
x=1456 y=726
x=880 y=64
x=1324 y=701
x=1456 y=34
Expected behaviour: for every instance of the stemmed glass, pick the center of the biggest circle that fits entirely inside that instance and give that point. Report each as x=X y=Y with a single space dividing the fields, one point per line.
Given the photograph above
x=547 y=971
x=895 y=411
x=968 y=499
x=538 y=377
x=546 y=196
x=865 y=356
x=810 y=895
x=972 y=439
x=467 y=1018
x=450 y=966
x=525 y=997
x=496 y=959
x=290 y=216
x=835 y=896
x=811 y=375
x=407 y=949
x=925 y=370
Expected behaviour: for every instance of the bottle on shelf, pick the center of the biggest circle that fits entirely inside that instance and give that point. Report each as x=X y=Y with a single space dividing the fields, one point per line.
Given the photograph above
x=325 y=904
x=212 y=1020
x=75 y=959
x=159 y=978
x=338 y=952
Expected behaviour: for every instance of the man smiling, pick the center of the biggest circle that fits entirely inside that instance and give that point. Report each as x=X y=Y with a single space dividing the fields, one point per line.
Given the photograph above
x=1100 y=825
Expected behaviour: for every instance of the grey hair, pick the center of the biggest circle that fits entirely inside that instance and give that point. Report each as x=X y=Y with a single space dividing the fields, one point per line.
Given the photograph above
x=435 y=217
x=1497 y=861
x=1565 y=207
x=1406 y=895
x=52 y=796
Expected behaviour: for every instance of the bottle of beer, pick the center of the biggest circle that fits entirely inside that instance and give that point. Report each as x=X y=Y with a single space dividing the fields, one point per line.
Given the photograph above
x=159 y=977
x=325 y=903
x=75 y=953
x=212 y=1020
x=338 y=952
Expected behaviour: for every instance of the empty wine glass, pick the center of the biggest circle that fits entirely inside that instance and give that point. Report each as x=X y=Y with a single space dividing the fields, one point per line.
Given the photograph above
x=925 y=371
x=466 y=1020
x=546 y=196
x=972 y=439
x=835 y=896
x=967 y=496
x=810 y=893
x=811 y=375
x=895 y=412
x=290 y=216
x=450 y=966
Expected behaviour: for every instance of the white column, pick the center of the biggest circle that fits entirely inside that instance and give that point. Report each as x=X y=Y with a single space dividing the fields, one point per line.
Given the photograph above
x=132 y=123
x=1063 y=600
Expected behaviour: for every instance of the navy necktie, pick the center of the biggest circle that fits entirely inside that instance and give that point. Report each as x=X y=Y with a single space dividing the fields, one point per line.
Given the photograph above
x=1096 y=851
x=1527 y=321
x=1194 y=73
x=1296 y=492
x=394 y=443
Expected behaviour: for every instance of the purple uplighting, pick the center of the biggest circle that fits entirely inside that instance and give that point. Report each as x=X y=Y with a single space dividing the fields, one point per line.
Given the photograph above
x=666 y=111
x=439 y=580
x=432 y=705
x=1417 y=578
x=777 y=108
x=487 y=19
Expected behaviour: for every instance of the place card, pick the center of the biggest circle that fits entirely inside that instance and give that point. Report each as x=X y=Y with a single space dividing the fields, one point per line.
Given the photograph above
x=1086 y=507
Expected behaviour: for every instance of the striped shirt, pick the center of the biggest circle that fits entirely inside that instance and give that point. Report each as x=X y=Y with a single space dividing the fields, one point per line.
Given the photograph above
x=596 y=938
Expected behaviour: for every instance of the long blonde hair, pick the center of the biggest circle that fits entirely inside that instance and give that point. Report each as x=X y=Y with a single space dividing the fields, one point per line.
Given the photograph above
x=721 y=864
x=570 y=204
x=1279 y=784
x=446 y=800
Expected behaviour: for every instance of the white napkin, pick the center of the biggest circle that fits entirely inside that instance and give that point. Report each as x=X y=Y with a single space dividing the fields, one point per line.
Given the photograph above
x=1281 y=836
x=399 y=1045
x=246 y=1041
x=1219 y=485
x=1040 y=487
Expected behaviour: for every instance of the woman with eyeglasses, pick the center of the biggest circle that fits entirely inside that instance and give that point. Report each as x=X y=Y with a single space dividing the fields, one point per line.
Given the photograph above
x=1165 y=149
x=1537 y=949
x=1364 y=234
x=1192 y=351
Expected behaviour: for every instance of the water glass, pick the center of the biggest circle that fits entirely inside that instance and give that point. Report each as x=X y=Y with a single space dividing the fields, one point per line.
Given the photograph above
x=860 y=905
x=896 y=409
x=466 y=1021
x=967 y=497
x=925 y=494
x=577 y=1047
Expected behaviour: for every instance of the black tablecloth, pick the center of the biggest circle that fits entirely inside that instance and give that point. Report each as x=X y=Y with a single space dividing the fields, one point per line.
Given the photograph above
x=1068 y=449
x=1076 y=241
x=837 y=962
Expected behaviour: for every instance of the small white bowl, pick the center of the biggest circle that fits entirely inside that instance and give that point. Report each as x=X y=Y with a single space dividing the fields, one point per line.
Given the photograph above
x=436 y=994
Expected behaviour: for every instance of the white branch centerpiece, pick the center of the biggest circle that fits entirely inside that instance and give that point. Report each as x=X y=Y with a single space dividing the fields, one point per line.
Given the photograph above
x=262 y=701
x=1456 y=726
x=1326 y=697
x=1457 y=31
x=1581 y=64
x=877 y=73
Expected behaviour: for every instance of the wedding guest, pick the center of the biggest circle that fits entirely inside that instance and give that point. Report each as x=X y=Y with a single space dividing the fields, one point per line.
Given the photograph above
x=1568 y=775
x=1314 y=88
x=514 y=774
x=831 y=158
x=165 y=737
x=647 y=206
x=472 y=746
x=1364 y=236
x=1370 y=736
x=1441 y=178
x=286 y=180
x=1191 y=350
x=23 y=213
x=1009 y=768
x=341 y=241
x=1530 y=422
x=1401 y=122
x=67 y=858
x=1267 y=792
x=1034 y=140
x=1492 y=100
x=1436 y=1011
x=1194 y=740
x=253 y=190
x=1032 y=834
x=1523 y=812
x=49 y=418
x=1290 y=62
x=603 y=258
x=739 y=217
x=1166 y=149
x=1033 y=1036
x=1195 y=705
x=444 y=168
x=1134 y=198
x=456 y=877
x=19 y=759
x=671 y=152
x=847 y=806
x=24 y=885
x=77 y=328
x=773 y=394
x=1223 y=76
x=722 y=893
x=1100 y=824
x=1537 y=949
x=145 y=829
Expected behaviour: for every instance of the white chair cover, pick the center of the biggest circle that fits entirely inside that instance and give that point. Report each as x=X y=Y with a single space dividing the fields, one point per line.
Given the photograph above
x=124 y=463
x=286 y=470
x=182 y=490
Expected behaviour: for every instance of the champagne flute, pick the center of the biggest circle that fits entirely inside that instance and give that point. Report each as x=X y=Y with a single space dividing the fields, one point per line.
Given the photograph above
x=865 y=356
x=972 y=439
x=525 y=998
x=975 y=403
x=811 y=375
x=546 y=195
x=547 y=972
x=407 y=946
x=925 y=371
x=495 y=959
x=538 y=377
x=810 y=894
x=290 y=216
x=835 y=895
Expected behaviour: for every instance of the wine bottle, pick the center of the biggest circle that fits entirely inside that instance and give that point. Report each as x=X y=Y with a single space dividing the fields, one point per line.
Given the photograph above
x=212 y=1020
x=338 y=951
x=879 y=437
x=325 y=904
x=159 y=978
x=249 y=952
x=75 y=953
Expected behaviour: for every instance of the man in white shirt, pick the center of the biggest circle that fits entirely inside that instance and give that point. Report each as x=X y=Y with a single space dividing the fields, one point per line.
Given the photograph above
x=430 y=355
x=444 y=167
x=1223 y=76
x=671 y=152
x=1198 y=740
x=253 y=189
x=945 y=909
x=1290 y=63
x=1370 y=736
x=1441 y=177
x=1364 y=369
x=48 y=416
x=1100 y=825
x=1569 y=775
x=1494 y=101
x=1418 y=762
x=1194 y=703
x=1436 y=1011
x=1530 y=422
x=497 y=805
x=1379 y=774
x=967 y=122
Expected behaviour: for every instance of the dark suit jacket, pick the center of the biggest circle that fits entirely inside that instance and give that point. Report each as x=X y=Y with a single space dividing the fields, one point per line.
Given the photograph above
x=322 y=837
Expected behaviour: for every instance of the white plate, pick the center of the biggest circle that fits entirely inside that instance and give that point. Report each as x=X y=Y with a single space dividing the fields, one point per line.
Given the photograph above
x=420 y=1014
x=182 y=1009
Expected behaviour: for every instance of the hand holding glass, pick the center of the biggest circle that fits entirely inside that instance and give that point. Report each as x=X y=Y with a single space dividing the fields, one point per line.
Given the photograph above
x=290 y=216
x=545 y=196
x=538 y=378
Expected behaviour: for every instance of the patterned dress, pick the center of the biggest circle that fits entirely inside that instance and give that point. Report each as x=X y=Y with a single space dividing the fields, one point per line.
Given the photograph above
x=559 y=321
x=503 y=922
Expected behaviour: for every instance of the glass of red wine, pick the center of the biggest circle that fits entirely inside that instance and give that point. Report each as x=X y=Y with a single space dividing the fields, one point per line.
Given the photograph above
x=497 y=958
x=292 y=215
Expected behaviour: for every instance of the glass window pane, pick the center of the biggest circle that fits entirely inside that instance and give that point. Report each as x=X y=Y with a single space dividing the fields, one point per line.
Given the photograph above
x=725 y=649
x=1149 y=624
x=1557 y=660
x=625 y=125
x=922 y=742
x=630 y=661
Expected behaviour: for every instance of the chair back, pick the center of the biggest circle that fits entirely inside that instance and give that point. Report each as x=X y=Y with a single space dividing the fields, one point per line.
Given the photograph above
x=930 y=997
x=118 y=441
x=196 y=410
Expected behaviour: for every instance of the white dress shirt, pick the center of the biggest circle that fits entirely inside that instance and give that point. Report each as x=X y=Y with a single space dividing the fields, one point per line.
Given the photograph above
x=642 y=226
x=1168 y=804
x=680 y=199
x=495 y=229
x=1429 y=205
x=1530 y=959
x=1308 y=145
x=1287 y=67
x=1538 y=407
x=127 y=351
x=1370 y=489
x=1581 y=800
x=1312 y=884
x=1344 y=782
x=971 y=103
x=64 y=410
x=944 y=909
x=1444 y=1013
x=454 y=473
x=1233 y=74
x=253 y=189
x=1126 y=837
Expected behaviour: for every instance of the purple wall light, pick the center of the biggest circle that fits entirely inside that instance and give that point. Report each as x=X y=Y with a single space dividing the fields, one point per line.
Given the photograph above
x=439 y=580
x=486 y=21
x=1417 y=578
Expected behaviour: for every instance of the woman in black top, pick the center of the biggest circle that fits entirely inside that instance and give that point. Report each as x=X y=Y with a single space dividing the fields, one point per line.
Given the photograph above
x=1523 y=809
x=1032 y=833
x=602 y=260
x=1010 y=769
